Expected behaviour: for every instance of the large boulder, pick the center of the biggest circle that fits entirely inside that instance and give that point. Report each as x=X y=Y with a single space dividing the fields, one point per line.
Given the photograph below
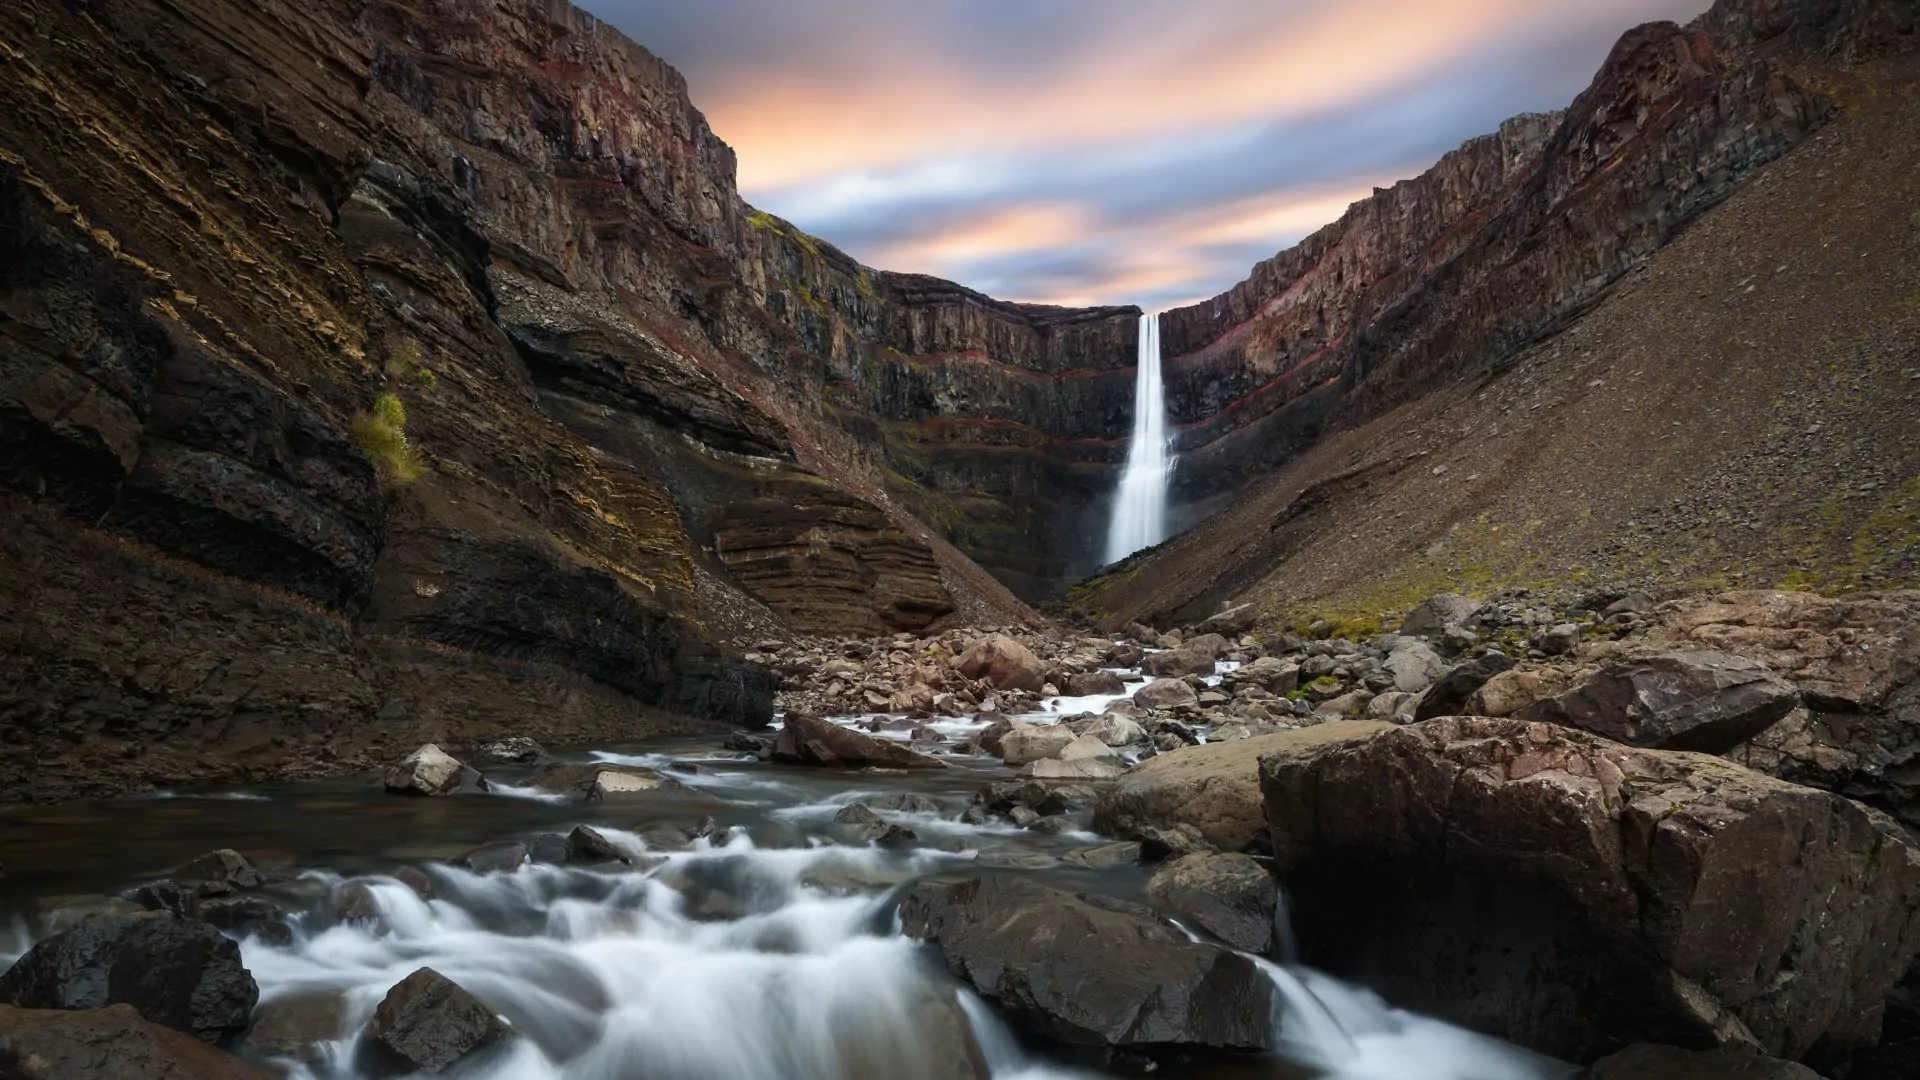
x=111 y=1043
x=424 y=1024
x=432 y=771
x=1270 y=673
x=1201 y=798
x=1002 y=661
x=1414 y=665
x=1229 y=895
x=1430 y=617
x=1091 y=683
x=609 y=782
x=1231 y=622
x=1647 y=1061
x=1571 y=894
x=1090 y=971
x=1194 y=656
x=808 y=740
x=1687 y=700
x=1165 y=694
x=177 y=972
x=1449 y=696
x=1033 y=742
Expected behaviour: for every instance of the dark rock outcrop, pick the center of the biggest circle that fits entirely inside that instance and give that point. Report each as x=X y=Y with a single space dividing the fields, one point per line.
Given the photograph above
x=426 y=1023
x=1230 y=896
x=111 y=1043
x=1091 y=972
x=807 y=740
x=1687 y=700
x=183 y=974
x=1570 y=893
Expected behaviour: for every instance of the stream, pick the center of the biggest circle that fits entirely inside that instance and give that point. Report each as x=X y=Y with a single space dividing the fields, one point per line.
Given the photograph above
x=765 y=949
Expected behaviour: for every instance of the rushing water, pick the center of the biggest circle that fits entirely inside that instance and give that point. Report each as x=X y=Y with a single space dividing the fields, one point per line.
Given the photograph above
x=1140 y=506
x=765 y=950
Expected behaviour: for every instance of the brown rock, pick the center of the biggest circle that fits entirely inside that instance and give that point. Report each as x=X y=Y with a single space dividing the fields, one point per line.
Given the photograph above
x=1685 y=700
x=807 y=740
x=1087 y=684
x=1565 y=892
x=1165 y=694
x=1002 y=661
x=426 y=1023
x=111 y=1043
x=1024 y=743
x=1229 y=895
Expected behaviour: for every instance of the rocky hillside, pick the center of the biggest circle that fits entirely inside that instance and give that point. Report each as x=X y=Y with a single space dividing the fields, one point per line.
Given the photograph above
x=372 y=372
x=1736 y=407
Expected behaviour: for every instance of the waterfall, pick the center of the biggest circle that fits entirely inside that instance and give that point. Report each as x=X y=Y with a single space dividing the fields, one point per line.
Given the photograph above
x=1140 y=507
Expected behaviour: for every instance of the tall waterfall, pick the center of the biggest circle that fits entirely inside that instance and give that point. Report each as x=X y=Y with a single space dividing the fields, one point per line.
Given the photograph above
x=1140 y=507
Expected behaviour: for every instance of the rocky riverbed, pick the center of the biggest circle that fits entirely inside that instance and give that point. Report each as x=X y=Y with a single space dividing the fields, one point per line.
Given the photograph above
x=1665 y=839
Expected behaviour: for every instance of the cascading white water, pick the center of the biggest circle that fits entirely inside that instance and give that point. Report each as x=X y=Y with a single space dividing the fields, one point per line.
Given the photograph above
x=1140 y=506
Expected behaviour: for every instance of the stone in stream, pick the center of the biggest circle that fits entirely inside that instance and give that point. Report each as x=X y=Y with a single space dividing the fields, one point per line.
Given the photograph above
x=515 y=750
x=500 y=857
x=855 y=824
x=610 y=783
x=183 y=974
x=1687 y=700
x=110 y=1043
x=1229 y=895
x=1192 y=657
x=1090 y=683
x=293 y=1025
x=221 y=871
x=1105 y=856
x=1081 y=769
x=1165 y=694
x=432 y=771
x=1649 y=1061
x=586 y=844
x=1115 y=730
x=808 y=740
x=1025 y=743
x=1090 y=972
x=424 y=1024
x=1002 y=661
x=548 y=848
x=1568 y=893
x=1207 y=797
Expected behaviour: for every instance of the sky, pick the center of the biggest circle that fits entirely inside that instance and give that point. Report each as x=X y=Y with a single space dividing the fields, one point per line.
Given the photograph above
x=1106 y=151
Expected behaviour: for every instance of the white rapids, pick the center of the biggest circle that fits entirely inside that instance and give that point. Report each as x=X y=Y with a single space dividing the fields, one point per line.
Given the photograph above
x=1140 y=506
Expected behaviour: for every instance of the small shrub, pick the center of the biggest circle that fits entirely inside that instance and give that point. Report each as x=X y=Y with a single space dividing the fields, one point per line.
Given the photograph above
x=382 y=436
x=425 y=378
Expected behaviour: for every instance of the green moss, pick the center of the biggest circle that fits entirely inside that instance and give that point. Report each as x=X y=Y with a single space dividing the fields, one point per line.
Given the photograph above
x=426 y=379
x=382 y=436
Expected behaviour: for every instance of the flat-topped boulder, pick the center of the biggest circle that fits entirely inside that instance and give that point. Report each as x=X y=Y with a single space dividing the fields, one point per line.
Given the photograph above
x=1571 y=894
x=1689 y=699
x=809 y=740
x=1207 y=797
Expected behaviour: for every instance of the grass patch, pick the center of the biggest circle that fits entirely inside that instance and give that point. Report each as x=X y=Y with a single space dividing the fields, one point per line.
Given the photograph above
x=382 y=436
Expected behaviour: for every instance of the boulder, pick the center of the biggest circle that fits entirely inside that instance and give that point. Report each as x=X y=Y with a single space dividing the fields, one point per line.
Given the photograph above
x=1230 y=622
x=1208 y=797
x=1648 y=1061
x=1165 y=694
x=1023 y=743
x=501 y=857
x=807 y=740
x=110 y=1043
x=1690 y=700
x=1560 y=640
x=1193 y=657
x=1414 y=666
x=183 y=974
x=856 y=824
x=1002 y=661
x=1088 y=748
x=221 y=871
x=293 y=1025
x=1509 y=692
x=1430 y=617
x=1229 y=895
x=1083 y=769
x=424 y=1024
x=432 y=771
x=515 y=750
x=1089 y=683
x=1569 y=893
x=1115 y=730
x=1269 y=673
x=1448 y=696
x=1091 y=972
x=586 y=844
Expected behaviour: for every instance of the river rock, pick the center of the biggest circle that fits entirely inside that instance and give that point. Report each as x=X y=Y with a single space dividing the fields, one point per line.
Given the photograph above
x=1229 y=895
x=426 y=1023
x=432 y=771
x=1448 y=696
x=1023 y=743
x=1648 y=1061
x=808 y=740
x=1165 y=694
x=1002 y=661
x=183 y=974
x=501 y=857
x=1194 y=656
x=1431 y=617
x=221 y=871
x=1088 y=748
x=1207 y=797
x=1569 y=893
x=1689 y=700
x=1081 y=769
x=110 y=1043
x=292 y=1025
x=1117 y=730
x=856 y=824
x=1269 y=673
x=516 y=750
x=1090 y=971
x=586 y=844
x=1231 y=621
x=1087 y=684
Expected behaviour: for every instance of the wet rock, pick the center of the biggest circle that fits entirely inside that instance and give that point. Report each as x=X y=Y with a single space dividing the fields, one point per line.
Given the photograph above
x=903 y=802
x=1646 y=1061
x=1449 y=695
x=1117 y=731
x=1002 y=661
x=856 y=824
x=587 y=845
x=1088 y=971
x=238 y=914
x=1083 y=769
x=291 y=1025
x=432 y=771
x=1089 y=748
x=1025 y=743
x=1106 y=856
x=1566 y=892
x=1002 y=798
x=1212 y=790
x=743 y=743
x=628 y=786
x=111 y=1043
x=425 y=1024
x=549 y=848
x=990 y=736
x=1229 y=895
x=1053 y=825
x=500 y=857
x=222 y=871
x=1090 y=683
x=807 y=740
x=1430 y=617
x=64 y=913
x=517 y=750
x=1692 y=700
x=354 y=901
x=183 y=974
x=1125 y=656
x=1165 y=694
x=413 y=878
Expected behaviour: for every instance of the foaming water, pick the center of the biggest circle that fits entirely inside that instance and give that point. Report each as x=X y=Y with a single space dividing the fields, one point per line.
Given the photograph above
x=1140 y=506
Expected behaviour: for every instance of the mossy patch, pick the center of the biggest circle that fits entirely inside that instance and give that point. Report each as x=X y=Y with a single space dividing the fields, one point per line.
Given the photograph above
x=382 y=436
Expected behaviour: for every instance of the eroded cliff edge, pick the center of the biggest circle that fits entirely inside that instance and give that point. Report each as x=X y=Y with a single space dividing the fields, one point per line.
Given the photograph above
x=632 y=417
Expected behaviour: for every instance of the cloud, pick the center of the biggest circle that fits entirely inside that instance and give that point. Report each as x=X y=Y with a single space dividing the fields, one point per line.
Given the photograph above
x=1106 y=151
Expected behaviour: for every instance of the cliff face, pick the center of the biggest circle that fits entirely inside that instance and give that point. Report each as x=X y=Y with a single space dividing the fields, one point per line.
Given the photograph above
x=1505 y=240
x=242 y=238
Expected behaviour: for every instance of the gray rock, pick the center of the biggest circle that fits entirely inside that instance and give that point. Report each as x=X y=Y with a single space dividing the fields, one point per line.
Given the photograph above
x=426 y=1023
x=1430 y=617
x=183 y=974
x=1165 y=694
x=112 y=1043
x=1688 y=700
x=1414 y=666
x=432 y=771
x=1229 y=895
x=1025 y=743
x=1560 y=639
